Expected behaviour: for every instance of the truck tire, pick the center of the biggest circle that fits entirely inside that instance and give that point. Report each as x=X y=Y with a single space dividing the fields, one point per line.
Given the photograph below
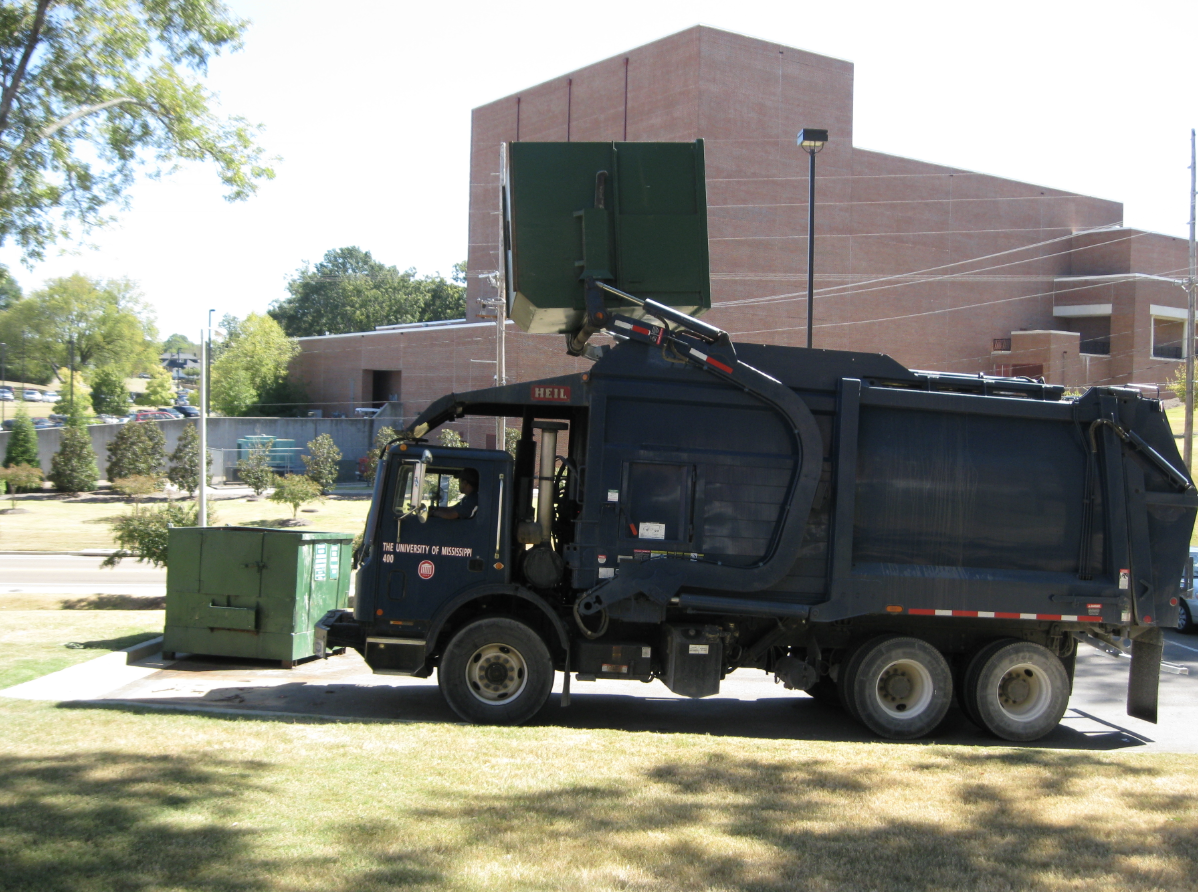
x=496 y=671
x=1016 y=690
x=899 y=687
x=1185 y=622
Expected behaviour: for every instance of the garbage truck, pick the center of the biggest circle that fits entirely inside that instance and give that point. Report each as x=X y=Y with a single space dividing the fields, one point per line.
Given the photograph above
x=889 y=540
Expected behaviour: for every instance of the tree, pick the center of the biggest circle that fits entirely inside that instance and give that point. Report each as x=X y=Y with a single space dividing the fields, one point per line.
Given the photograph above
x=22 y=442
x=351 y=291
x=161 y=389
x=252 y=365
x=382 y=437
x=93 y=91
x=10 y=291
x=322 y=464
x=73 y=467
x=144 y=533
x=178 y=343
x=21 y=478
x=139 y=448
x=109 y=395
x=185 y=461
x=255 y=470
x=106 y=321
x=295 y=490
x=74 y=393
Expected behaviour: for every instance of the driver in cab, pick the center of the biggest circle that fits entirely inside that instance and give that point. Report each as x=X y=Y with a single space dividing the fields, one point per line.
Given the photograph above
x=467 y=505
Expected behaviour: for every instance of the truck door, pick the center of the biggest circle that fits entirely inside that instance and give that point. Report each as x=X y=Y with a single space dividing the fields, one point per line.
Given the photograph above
x=427 y=558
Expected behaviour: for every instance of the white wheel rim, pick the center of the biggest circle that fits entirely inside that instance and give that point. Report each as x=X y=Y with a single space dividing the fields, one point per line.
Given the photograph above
x=904 y=689
x=496 y=674
x=1024 y=692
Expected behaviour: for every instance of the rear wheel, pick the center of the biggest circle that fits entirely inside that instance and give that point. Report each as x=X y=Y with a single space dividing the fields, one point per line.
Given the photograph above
x=1185 y=622
x=1017 y=690
x=899 y=687
x=496 y=671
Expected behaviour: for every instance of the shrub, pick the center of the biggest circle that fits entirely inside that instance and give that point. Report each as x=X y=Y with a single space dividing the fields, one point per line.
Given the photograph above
x=382 y=437
x=21 y=478
x=138 y=486
x=73 y=467
x=139 y=449
x=185 y=461
x=295 y=490
x=142 y=533
x=255 y=469
x=322 y=463
x=22 y=442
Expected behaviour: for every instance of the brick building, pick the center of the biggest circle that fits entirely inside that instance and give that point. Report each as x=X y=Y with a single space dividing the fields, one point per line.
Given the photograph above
x=938 y=267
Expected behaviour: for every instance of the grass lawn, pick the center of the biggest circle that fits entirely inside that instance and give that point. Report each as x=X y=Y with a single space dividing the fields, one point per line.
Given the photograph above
x=100 y=799
x=37 y=642
x=60 y=524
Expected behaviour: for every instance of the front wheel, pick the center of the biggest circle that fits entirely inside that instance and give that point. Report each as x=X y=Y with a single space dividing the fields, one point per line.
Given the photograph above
x=1017 y=690
x=898 y=687
x=496 y=671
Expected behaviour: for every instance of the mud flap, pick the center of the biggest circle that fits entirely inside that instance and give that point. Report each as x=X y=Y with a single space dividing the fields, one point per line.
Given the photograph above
x=1144 y=679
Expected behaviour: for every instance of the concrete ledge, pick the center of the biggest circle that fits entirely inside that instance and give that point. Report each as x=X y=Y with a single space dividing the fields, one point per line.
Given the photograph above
x=141 y=651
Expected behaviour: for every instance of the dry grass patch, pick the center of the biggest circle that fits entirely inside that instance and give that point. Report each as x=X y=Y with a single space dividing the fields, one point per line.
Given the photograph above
x=34 y=643
x=100 y=799
x=56 y=523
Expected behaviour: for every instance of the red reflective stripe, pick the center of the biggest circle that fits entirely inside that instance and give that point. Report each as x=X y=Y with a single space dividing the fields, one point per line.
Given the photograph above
x=640 y=330
x=919 y=611
x=1089 y=619
x=720 y=365
x=1006 y=615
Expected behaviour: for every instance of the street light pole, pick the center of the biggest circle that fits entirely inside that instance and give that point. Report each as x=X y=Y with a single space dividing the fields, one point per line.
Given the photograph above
x=71 y=368
x=1191 y=284
x=3 y=380
x=811 y=141
x=202 y=494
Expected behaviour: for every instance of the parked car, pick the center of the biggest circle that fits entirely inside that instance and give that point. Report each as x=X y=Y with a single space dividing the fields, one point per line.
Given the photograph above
x=51 y=396
x=1187 y=609
x=189 y=411
x=171 y=411
x=32 y=396
x=6 y=394
x=150 y=415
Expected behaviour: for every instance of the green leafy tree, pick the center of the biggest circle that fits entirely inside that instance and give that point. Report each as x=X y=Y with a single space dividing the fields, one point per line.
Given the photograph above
x=351 y=291
x=295 y=490
x=106 y=321
x=255 y=470
x=10 y=291
x=252 y=365
x=322 y=465
x=382 y=437
x=137 y=486
x=94 y=91
x=178 y=343
x=185 y=461
x=160 y=391
x=109 y=394
x=21 y=478
x=73 y=467
x=139 y=448
x=144 y=533
x=22 y=442
x=73 y=397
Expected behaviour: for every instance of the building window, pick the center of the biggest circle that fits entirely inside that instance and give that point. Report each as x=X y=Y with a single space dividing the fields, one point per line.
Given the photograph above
x=1095 y=334
x=1168 y=336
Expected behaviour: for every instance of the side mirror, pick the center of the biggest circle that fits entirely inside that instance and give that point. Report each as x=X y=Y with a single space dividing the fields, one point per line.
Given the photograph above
x=416 y=496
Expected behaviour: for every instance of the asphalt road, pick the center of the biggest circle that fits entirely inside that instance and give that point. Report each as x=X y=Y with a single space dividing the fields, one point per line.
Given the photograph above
x=66 y=574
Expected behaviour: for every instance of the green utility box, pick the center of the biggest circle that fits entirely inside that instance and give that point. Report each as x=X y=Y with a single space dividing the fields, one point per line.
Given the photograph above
x=252 y=592
x=631 y=214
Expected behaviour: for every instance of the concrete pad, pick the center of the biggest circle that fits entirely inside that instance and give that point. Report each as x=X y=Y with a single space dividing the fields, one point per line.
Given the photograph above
x=90 y=680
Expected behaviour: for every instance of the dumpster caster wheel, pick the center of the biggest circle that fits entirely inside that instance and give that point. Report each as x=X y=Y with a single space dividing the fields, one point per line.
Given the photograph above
x=287 y=664
x=496 y=671
x=899 y=687
x=1016 y=690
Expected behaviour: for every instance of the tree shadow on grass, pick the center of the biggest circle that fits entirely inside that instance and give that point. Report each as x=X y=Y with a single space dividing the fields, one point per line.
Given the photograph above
x=111 y=820
x=115 y=602
x=714 y=821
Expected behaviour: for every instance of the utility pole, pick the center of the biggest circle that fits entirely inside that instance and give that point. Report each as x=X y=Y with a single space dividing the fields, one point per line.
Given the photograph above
x=71 y=367
x=3 y=380
x=1191 y=284
x=202 y=518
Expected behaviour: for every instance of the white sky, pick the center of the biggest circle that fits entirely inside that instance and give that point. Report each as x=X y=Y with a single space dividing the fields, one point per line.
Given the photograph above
x=368 y=104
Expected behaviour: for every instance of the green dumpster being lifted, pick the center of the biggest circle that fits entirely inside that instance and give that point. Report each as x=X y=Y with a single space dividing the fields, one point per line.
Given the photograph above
x=252 y=592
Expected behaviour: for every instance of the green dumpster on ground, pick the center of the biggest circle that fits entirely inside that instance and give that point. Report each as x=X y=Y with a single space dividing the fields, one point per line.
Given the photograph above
x=252 y=592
